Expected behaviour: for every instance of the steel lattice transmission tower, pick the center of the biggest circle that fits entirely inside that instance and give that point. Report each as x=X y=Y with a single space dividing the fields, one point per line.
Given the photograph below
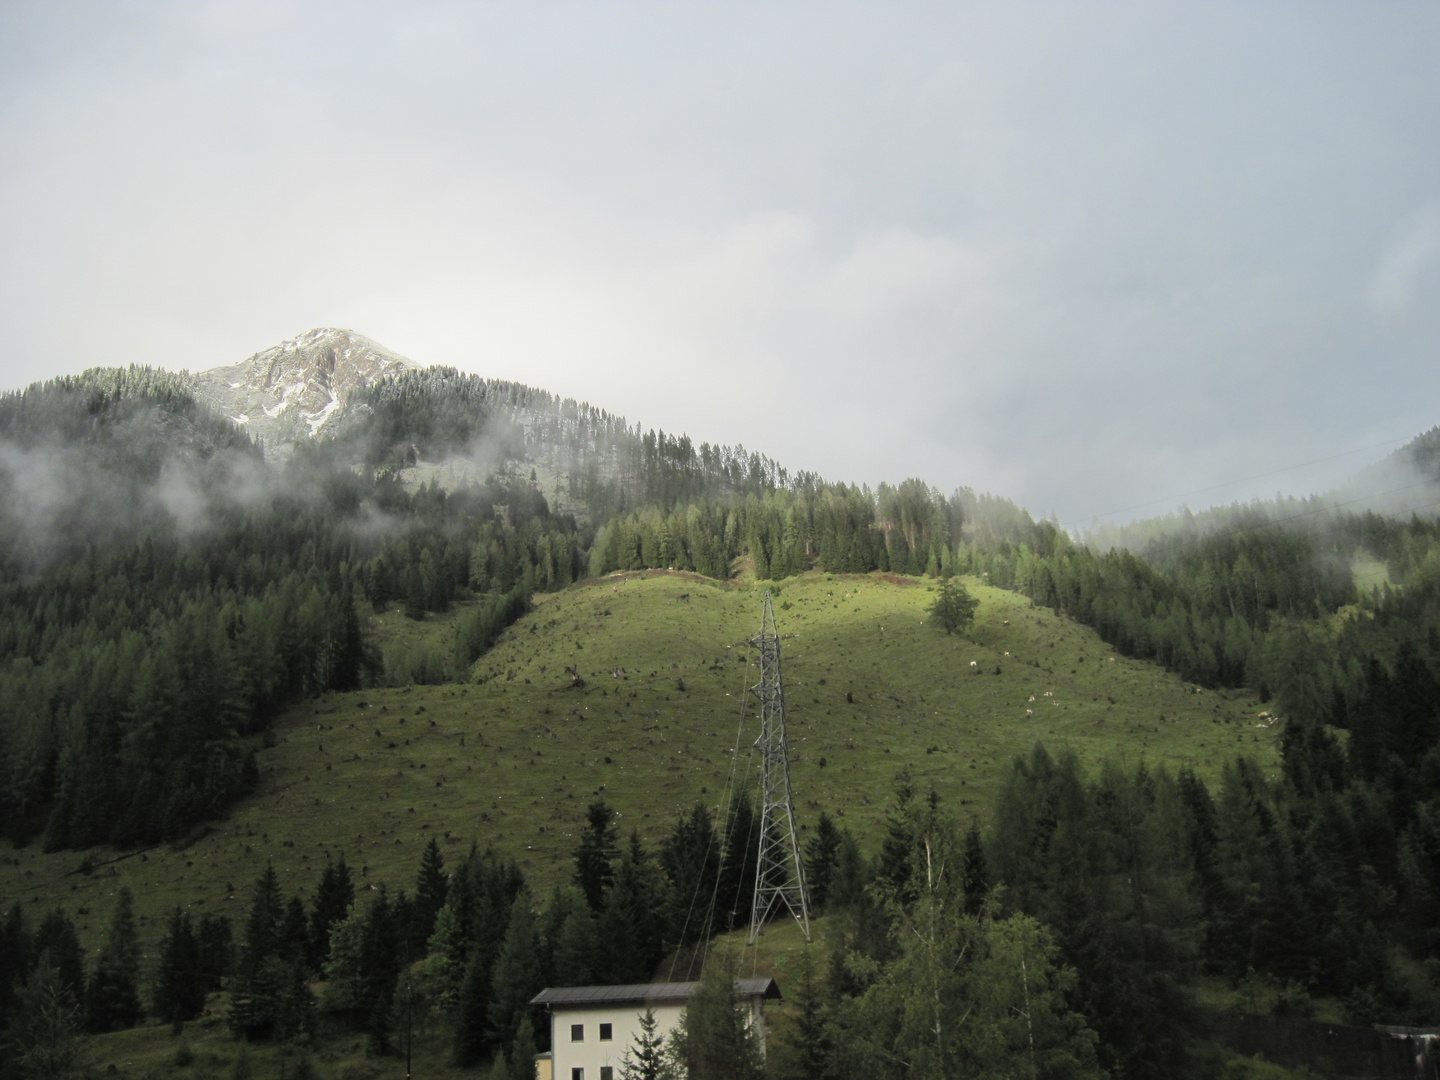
x=780 y=873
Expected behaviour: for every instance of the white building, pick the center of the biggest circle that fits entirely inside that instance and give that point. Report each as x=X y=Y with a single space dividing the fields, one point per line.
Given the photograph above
x=591 y=1027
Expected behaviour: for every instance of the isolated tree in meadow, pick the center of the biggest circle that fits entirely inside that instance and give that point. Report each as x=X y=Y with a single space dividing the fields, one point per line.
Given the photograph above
x=954 y=607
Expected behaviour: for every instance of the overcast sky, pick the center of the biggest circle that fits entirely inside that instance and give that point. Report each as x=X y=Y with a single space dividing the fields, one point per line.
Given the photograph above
x=1102 y=258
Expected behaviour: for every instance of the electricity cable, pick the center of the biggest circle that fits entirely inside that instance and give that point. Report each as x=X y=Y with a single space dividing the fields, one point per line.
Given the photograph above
x=690 y=909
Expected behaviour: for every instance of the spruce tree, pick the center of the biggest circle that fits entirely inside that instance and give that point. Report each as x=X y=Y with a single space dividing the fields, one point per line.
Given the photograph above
x=293 y=940
x=112 y=998
x=217 y=950
x=805 y=1052
x=379 y=971
x=431 y=885
x=820 y=853
x=262 y=927
x=646 y=1059
x=56 y=936
x=738 y=864
x=15 y=952
x=715 y=1039
x=515 y=979
x=691 y=858
x=261 y=974
x=522 y=1050
x=178 y=993
x=473 y=1041
x=595 y=856
x=333 y=897
x=974 y=874
x=445 y=960
x=49 y=1019
x=575 y=949
x=631 y=927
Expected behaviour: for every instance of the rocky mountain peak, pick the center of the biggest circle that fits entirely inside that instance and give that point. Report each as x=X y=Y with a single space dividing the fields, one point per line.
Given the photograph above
x=287 y=392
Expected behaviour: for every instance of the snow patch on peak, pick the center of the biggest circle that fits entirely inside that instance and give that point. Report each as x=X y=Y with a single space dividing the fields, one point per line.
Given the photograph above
x=315 y=372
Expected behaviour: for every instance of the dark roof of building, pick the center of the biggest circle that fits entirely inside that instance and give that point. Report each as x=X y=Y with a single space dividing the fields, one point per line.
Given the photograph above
x=650 y=993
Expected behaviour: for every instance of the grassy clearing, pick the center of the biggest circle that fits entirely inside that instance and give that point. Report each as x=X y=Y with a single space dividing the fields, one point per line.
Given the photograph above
x=512 y=762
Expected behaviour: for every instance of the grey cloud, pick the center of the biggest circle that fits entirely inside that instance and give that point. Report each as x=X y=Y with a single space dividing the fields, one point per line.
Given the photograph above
x=1090 y=257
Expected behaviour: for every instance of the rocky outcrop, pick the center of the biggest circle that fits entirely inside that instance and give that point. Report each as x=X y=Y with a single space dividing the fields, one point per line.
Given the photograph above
x=288 y=392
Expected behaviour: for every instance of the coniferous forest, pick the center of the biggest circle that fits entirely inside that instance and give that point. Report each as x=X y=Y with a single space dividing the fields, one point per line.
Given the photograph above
x=168 y=586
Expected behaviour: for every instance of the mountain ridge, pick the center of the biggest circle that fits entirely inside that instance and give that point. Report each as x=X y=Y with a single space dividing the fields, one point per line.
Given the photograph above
x=289 y=391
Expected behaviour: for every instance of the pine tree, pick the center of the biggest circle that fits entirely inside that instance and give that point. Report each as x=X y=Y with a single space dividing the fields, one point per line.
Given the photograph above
x=344 y=990
x=56 y=936
x=515 y=978
x=262 y=928
x=49 y=1019
x=646 y=1058
x=820 y=853
x=715 y=1039
x=738 y=865
x=178 y=993
x=595 y=856
x=631 y=926
x=112 y=998
x=15 y=953
x=431 y=885
x=974 y=875
x=473 y=1041
x=333 y=897
x=217 y=950
x=293 y=940
x=522 y=1050
x=445 y=960
x=805 y=1052
x=575 y=949
x=691 y=858
x=379 y=971
x=261 y=974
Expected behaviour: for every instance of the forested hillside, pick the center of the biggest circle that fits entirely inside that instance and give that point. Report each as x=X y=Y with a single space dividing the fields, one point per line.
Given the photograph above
x=172 y=601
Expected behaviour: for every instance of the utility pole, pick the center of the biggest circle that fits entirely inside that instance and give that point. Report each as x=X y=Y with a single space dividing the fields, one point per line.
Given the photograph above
x=409 y=1000
x=780 y=873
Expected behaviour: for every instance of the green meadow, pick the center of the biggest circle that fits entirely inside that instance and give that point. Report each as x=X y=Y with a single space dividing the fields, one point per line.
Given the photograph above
x=658 y=718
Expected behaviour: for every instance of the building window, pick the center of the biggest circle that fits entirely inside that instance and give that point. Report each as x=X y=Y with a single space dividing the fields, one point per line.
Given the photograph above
x=577 y=1074
x=607 y=1073
x=605 y=1036
x=577 y=1034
